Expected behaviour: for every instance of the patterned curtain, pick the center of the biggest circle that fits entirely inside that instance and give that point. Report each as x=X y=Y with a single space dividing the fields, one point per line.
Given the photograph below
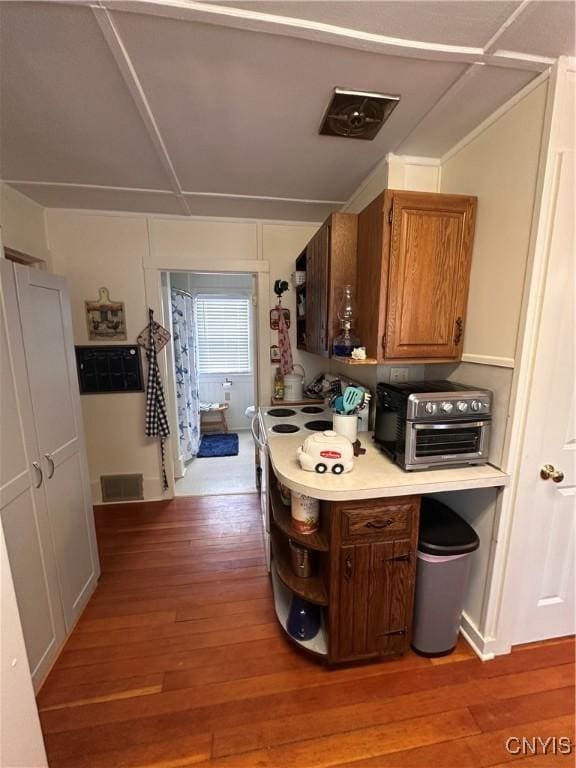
x=187 y=402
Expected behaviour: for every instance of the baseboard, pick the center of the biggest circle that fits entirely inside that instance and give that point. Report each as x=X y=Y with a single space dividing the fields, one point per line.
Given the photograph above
x=481 y=647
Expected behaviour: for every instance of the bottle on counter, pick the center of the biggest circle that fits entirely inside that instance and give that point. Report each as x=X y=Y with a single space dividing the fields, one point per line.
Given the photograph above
x=278 y=385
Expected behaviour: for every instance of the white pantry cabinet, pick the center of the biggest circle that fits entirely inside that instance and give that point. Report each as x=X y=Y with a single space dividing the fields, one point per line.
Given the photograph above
x=45 y=503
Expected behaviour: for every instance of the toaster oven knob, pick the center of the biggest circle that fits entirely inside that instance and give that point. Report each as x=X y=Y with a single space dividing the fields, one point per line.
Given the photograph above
x=430 y=408
x=476 y=405
x=462 y=406
x=447 y=407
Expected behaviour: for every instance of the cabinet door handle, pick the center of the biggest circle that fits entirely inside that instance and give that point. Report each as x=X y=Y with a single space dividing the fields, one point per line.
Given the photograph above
x=399 y=558
x=379 y=524
x=394 y=632
x=348 y=568
x=458 y=330
x=51 y=465
x=38 y=469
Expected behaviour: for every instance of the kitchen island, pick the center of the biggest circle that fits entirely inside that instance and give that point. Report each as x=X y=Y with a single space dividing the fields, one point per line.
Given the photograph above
x=364 y=550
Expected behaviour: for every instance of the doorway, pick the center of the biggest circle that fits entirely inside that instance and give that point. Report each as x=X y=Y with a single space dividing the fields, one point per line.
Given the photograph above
x=212 y=365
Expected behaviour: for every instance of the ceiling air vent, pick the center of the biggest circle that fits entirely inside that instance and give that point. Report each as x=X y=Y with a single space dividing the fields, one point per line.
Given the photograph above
x=121 y=487
x=357 y=114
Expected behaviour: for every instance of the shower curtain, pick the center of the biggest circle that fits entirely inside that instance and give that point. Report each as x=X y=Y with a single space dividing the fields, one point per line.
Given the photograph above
x=187 y=398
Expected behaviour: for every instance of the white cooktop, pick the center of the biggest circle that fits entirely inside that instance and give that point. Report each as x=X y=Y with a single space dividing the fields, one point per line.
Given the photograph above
x=285 y=420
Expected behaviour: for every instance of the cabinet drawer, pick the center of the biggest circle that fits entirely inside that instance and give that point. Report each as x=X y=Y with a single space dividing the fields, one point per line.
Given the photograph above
x=391 y=520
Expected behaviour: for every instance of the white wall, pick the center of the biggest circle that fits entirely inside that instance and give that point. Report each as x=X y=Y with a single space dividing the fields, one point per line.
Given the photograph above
x=93 y=250
x=499 y=164
x=23 y=225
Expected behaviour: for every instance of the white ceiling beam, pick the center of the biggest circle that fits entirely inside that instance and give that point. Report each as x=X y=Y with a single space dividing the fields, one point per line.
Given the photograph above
x=514 y=16
x=226 y=195
x=128 y=72
x=239 y=18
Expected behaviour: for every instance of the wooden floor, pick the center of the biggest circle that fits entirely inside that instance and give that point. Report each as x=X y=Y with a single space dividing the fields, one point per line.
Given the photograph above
x=178 y=660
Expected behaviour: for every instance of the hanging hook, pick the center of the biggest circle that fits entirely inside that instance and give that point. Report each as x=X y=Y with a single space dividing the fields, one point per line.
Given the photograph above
x=280 y=287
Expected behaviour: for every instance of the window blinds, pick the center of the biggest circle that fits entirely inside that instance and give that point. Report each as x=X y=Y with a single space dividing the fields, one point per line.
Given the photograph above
x=223 y=334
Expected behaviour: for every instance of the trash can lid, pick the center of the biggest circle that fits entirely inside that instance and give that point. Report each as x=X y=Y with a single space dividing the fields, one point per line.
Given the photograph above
x=443 y=532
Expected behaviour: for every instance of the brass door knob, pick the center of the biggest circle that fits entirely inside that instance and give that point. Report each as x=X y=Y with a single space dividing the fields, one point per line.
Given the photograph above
x=549 y=472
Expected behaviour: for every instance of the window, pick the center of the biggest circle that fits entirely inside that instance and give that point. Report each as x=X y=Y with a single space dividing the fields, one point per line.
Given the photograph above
x=223 y=334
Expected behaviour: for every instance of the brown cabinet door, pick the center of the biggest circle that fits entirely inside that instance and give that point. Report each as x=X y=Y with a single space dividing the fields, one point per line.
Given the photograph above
x=375 y=599
x=317 y=262
x=354 y=590
x=429 y=266
x=390 y=599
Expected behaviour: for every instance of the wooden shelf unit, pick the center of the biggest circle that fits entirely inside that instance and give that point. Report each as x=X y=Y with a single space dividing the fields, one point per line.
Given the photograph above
x=366 y=570
x=311 y=589
x=351 y=361
x=318 y=646
x=283 y=519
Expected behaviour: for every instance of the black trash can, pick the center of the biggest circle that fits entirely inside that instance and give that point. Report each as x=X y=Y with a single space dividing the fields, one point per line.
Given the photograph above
x=445 y=544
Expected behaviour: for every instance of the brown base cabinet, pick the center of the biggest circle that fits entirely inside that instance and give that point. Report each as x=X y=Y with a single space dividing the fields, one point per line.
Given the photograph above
x=366 y=563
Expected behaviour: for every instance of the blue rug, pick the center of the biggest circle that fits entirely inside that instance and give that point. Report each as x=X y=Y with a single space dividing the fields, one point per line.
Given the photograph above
x=211 y=446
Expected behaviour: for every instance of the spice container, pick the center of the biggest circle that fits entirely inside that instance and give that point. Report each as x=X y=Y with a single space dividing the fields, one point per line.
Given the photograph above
x=305 y=513
x=301 y=560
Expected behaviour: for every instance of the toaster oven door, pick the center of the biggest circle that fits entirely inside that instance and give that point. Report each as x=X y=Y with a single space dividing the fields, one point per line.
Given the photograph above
x=462 y=442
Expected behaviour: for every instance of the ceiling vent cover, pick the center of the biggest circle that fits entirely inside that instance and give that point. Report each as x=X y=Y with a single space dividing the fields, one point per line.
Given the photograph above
x=357 y=114
x=121 y=487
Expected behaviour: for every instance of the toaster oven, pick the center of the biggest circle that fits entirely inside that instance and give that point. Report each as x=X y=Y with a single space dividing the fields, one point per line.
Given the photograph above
x=426 y=424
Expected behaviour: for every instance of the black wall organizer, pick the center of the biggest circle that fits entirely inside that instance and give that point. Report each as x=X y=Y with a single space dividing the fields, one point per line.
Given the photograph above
x=103 y=370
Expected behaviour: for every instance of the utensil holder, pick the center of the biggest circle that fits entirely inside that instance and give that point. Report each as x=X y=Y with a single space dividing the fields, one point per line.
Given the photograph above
x=347 y=425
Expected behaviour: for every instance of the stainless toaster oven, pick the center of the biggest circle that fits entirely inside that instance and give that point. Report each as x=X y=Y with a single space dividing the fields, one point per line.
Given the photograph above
x=426 y=424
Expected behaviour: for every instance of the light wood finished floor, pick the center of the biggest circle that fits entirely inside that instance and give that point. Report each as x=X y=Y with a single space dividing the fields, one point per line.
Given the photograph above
x=178 y=661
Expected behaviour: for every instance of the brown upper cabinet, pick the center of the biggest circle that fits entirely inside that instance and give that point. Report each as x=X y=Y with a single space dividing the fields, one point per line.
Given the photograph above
x=414 y=254
x=329 y=261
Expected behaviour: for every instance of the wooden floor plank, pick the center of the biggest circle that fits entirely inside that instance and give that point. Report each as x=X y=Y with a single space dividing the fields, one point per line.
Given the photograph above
x=178 y=661
x=488 y=694
x=374 y=742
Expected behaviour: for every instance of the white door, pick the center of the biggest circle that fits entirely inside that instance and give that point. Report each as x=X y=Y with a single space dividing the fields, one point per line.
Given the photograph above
x=545 y=509
x=22 y=501
x=48 y=344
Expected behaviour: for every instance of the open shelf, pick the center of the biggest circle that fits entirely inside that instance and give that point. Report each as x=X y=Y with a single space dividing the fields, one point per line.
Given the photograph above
x=283 y=519
x=311 y=589
x=282 y=601
x=351 y=361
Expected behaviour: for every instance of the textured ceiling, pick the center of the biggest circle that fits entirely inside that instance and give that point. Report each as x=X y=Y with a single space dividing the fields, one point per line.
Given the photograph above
x=213 y=110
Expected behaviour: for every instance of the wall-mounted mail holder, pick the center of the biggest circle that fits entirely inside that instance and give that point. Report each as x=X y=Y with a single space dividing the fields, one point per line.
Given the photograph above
x=102 y=370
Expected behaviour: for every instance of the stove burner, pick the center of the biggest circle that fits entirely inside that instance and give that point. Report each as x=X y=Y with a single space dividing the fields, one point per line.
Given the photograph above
x=319 y=425
x=311 y=409
x=285 y=428
x=277 y=412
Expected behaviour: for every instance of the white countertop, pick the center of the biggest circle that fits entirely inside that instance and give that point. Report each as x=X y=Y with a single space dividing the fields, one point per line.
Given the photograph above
x=374 y=475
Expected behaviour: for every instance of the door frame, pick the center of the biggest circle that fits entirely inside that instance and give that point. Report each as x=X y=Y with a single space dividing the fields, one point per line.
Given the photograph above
x=500 y=601
x=154 y=298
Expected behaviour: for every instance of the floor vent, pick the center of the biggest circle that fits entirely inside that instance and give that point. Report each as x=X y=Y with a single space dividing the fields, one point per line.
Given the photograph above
x=122 y=487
